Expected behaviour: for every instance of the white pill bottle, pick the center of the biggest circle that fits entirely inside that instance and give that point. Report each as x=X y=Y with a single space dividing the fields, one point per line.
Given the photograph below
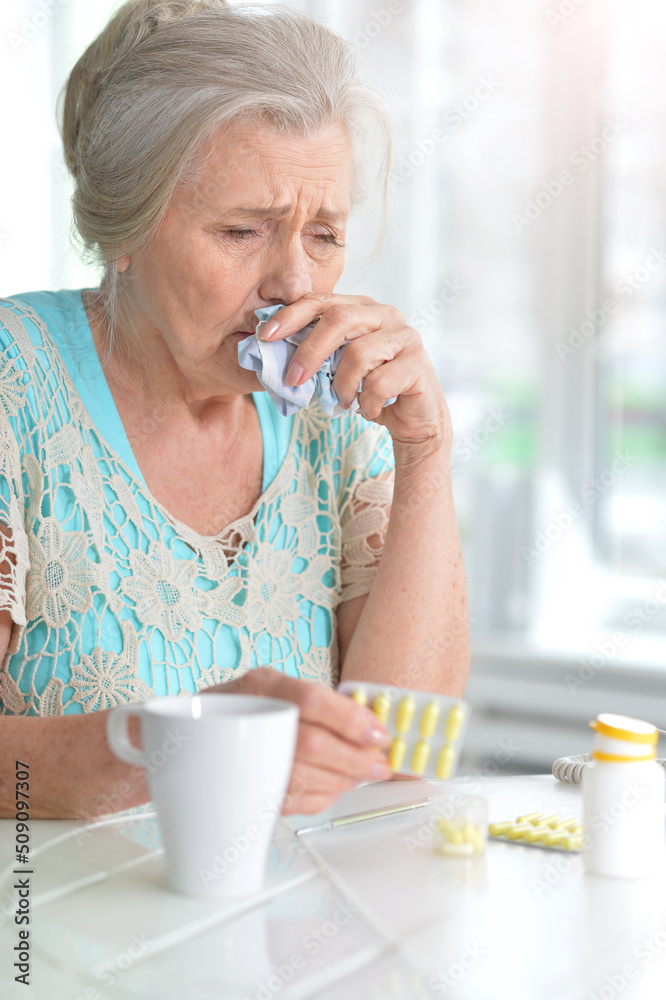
x=623 y=800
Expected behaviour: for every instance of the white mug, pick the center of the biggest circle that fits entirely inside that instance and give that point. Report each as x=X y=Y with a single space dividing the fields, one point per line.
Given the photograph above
x=218 y=769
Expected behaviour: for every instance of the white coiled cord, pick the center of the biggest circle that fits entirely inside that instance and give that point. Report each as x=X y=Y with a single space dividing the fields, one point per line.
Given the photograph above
x=570 y=769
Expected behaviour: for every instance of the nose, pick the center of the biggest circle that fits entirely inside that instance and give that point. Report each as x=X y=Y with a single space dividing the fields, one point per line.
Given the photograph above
x=287 y=276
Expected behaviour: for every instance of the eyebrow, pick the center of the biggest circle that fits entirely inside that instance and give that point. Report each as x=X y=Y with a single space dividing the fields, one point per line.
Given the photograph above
x=325 y=214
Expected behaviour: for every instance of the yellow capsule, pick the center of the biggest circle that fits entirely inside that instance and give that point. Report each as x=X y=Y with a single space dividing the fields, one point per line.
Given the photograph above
x=573 y=843
x=567 y=824
x=534 y=818
x=577 y=831
x=454 y=723
x=554 y=839
x=429 y=719
x=517 y=830
x=453 y=835
x=397 y=753
x=360 y=697
x=451 y=832
x=551 y=821
x=446 y=827
x=536 y=834
x=404 y=715
x=381 y=706
x=444 y=763
x=499 y=829
x=420 y=757
x=472 y=835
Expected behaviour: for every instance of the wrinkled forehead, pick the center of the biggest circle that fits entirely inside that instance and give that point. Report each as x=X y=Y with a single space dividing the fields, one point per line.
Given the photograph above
x=253 y=165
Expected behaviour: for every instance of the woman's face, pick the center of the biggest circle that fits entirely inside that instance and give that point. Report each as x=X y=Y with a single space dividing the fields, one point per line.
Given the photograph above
x=259 y=226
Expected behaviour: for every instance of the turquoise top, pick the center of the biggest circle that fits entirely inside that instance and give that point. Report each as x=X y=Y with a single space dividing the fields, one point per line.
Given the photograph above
x=70 y=331
x=115 y=600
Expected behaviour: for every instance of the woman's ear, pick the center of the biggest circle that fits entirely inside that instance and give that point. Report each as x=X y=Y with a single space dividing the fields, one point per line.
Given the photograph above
x=123 y=263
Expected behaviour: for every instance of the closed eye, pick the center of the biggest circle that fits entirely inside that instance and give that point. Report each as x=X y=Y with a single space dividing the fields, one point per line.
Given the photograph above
x=243 y=234
x=329 y=238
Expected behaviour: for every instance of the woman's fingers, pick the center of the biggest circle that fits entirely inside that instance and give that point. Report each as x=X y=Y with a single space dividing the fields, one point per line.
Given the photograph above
x=306 y=309
x=312 y=789
x=318 y=746
x=321 y=706
x=378 y=339
x=308 y=804
x=338 y=744
x=389 y=362
x=343 y=323
x=309 y=779
x=380 y=348
x=344 y=318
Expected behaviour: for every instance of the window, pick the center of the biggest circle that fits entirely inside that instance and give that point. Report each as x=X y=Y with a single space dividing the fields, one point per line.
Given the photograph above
x=631 y=345
x=526 y=246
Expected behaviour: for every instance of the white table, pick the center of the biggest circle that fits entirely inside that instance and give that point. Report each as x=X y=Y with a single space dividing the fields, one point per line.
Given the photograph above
x=358 y=913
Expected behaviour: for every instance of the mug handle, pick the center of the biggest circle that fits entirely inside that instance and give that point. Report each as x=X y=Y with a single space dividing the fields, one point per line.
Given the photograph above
x=117 y=734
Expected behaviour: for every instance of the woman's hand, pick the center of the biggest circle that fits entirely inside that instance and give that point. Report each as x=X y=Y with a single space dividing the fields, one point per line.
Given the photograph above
x=382 y=349
x=339 y=742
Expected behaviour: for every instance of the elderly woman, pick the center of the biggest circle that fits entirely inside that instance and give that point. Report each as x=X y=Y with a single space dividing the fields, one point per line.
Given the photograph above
x=164 y=528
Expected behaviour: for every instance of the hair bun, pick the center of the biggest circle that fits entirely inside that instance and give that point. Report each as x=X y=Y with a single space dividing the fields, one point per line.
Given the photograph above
x=164 y=79
x=134 y=21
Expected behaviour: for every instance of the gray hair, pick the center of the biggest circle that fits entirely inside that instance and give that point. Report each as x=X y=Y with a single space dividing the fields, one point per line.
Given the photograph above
x=165 y=75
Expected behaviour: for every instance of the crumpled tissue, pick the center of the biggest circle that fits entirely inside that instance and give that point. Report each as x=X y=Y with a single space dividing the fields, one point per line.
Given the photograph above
x=270 y=360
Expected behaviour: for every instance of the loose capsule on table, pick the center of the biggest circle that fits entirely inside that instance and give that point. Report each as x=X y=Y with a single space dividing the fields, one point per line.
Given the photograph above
x=516 y=831
x=532 y=829
x=534 y=835
x=554 y=839
x=567 y=824
x=499 y=829
x=529 y=818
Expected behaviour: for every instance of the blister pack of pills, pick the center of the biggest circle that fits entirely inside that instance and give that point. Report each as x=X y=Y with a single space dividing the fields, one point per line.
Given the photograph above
x=427 y=729
x=536 y=831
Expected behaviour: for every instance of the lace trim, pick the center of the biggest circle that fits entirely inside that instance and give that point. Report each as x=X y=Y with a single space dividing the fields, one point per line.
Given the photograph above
x=89 y=550
x=364 y=527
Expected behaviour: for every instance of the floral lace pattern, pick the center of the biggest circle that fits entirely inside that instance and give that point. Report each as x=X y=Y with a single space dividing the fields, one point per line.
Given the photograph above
x=113 y=600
